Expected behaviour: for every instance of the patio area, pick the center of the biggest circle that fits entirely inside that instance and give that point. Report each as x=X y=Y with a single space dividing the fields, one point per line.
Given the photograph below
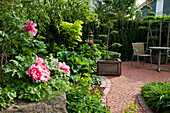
x=126 y=88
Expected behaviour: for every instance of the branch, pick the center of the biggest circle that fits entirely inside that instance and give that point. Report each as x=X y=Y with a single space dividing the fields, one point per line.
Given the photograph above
x=2 y=52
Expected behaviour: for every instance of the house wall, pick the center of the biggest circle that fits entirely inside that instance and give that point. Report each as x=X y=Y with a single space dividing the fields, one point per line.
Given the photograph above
x=159 y=7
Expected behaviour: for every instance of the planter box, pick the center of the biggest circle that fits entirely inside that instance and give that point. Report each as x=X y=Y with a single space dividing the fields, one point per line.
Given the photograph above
x=155 y=58
x=109 y=67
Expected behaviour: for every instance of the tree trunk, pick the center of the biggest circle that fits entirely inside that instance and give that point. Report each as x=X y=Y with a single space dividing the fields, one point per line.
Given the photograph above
x=107 y=45
x=2 y=54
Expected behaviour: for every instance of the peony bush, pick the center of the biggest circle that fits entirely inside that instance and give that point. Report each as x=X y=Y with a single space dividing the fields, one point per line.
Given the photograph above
x=39 y=70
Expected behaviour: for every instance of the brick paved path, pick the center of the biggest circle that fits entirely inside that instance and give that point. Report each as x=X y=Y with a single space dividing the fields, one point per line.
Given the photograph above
x=126 y=87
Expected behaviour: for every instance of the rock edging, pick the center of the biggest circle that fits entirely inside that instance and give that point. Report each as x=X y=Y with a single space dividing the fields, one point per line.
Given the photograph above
x=105 y=82
x=143 y=104
x=55 y=105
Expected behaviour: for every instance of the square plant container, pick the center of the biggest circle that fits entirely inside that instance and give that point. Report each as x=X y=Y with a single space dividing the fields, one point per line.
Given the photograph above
x=109 y=67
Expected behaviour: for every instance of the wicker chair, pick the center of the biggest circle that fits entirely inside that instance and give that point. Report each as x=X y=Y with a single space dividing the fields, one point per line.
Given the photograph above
x=138 y=50
x=167 y=55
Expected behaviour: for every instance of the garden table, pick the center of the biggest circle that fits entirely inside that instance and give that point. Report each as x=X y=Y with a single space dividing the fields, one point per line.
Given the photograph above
x=159 y=58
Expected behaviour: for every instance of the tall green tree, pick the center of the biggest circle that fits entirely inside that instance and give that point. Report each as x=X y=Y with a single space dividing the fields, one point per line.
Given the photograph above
x=123 y=8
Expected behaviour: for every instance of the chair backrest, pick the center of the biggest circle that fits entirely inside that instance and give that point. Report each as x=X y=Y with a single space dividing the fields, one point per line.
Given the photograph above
x=139 y=47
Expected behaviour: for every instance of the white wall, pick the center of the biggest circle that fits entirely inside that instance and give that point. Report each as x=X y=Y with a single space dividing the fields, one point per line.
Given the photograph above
x=159 y=7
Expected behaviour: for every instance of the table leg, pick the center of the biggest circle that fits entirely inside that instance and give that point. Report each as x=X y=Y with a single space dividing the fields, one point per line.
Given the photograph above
x=159 y=60
x=158 y=68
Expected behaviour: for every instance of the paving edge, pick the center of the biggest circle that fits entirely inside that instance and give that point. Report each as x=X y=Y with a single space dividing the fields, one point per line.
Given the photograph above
x=107 y=83
x=143 y=104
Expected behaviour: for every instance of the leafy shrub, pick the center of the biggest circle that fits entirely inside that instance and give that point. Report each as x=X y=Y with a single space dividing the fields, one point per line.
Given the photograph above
x=80 y=99
x=157 y=96
x=78 y=64
x=19 y=85
x=73 y=31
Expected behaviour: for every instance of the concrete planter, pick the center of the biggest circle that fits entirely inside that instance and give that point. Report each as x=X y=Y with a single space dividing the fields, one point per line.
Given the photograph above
x=109 y=67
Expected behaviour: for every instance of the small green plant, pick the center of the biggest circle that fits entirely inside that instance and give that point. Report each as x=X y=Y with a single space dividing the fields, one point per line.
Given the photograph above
x=96 y=79
x=131 y=108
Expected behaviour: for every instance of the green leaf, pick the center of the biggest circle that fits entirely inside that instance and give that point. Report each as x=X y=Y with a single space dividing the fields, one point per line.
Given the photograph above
x=15 y=62
x=14 y=72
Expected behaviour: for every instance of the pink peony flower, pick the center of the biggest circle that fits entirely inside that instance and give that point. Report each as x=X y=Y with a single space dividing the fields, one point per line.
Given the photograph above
x=39 y=71
x=38 y=61
x=35 y=72
x=65 y=67
x=31 y=28
x=45 y=75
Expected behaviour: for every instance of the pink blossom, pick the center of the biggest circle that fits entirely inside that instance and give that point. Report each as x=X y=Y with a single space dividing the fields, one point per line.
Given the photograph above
x=45 y=75
x=39 y=71
x=38 y=61
x=65 y=67
x=31 y=28
x=35 y=72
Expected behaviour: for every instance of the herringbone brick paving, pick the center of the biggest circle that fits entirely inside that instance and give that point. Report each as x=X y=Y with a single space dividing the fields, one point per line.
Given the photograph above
x=126 y=87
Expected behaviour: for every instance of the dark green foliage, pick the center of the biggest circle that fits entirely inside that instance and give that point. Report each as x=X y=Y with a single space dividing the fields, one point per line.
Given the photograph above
x=108 y=1
x=78 y=64
x=130 y=31
x=157 y=96
x=155 y=38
